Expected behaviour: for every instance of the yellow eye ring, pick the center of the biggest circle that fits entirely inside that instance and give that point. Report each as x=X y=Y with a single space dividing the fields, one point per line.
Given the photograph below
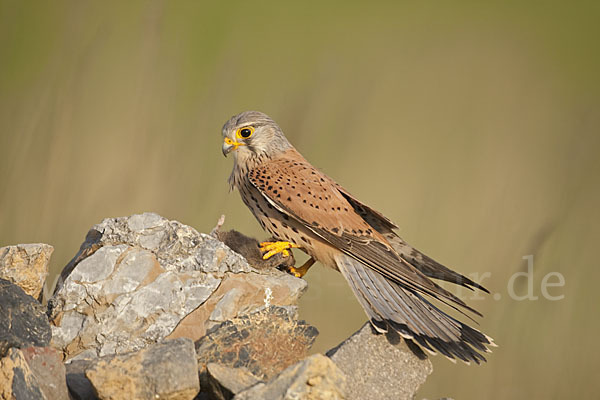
x=244 y=132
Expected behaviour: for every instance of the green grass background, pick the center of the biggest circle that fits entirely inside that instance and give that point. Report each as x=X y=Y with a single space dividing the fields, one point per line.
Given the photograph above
x=473 y=125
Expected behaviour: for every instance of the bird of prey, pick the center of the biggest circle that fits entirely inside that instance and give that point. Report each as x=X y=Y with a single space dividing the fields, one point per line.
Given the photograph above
x=303 y=208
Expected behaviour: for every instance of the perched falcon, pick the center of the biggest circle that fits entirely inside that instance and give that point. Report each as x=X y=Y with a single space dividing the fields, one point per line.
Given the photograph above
x=304 y=208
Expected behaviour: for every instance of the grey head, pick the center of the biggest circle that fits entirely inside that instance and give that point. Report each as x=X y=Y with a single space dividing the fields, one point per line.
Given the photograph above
x=252 y=136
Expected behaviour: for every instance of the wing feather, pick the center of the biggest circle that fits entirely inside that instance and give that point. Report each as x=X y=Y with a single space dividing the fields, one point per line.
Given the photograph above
x=300 y=191
x=422 y=262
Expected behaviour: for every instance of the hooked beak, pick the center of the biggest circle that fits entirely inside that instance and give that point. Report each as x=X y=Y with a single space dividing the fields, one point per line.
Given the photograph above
x=230 y=145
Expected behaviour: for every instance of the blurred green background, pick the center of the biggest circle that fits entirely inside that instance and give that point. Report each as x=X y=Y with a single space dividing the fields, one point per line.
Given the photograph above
x=473 y=125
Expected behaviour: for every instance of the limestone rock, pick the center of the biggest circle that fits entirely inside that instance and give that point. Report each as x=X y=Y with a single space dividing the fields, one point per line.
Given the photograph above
x=137 y=280
x=378 y=369
x=23 y=320
x=162 y=371
x=223 y=383
x=314 y=378
x=240 y=294
x=264 y=342
x=46 y=365
x=26 y=265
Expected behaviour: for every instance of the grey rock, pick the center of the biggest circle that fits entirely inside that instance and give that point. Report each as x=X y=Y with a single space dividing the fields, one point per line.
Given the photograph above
x=265 y=342
x=120 y=290
x=165 y=370
x=314 y=378
x=248 y=293
x=79 y=385
x=251 y=292
x=23 y=322
x=26 y=265
x=140 y=279
x=379 y=366
x=222 y=383
x=177 y=247
x=46 y=366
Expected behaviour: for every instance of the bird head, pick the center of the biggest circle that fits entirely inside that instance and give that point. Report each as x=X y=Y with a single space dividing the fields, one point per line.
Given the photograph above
x=252 y=135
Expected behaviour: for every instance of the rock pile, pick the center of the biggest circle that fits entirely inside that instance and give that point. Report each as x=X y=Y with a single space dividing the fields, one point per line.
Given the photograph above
x=150 y=308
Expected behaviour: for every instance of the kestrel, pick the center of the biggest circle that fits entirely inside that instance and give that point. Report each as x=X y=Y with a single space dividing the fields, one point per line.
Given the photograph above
x=303 y=208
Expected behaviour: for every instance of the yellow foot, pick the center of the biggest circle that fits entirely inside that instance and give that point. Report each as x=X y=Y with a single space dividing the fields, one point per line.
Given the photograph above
x=301 y=271
x=272 y=248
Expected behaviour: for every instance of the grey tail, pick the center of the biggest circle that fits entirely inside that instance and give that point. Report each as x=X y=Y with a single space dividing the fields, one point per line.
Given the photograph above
x=392 y=305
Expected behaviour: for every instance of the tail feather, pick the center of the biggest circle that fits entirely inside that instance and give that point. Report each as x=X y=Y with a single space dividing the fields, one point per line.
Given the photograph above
x=391 y=305
x=426 y=265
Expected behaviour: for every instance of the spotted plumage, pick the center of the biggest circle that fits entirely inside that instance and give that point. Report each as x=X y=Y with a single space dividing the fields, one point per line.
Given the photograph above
x=297 y=203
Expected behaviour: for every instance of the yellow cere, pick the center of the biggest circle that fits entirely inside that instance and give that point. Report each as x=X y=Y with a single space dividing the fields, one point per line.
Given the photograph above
x=233 y=143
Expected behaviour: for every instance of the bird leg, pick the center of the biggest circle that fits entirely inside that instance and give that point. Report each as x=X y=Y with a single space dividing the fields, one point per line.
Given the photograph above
x=301 y=271
x=272 y=248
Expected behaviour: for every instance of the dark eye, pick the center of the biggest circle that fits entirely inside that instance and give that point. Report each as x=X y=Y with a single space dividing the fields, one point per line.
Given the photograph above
x=245 y=133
